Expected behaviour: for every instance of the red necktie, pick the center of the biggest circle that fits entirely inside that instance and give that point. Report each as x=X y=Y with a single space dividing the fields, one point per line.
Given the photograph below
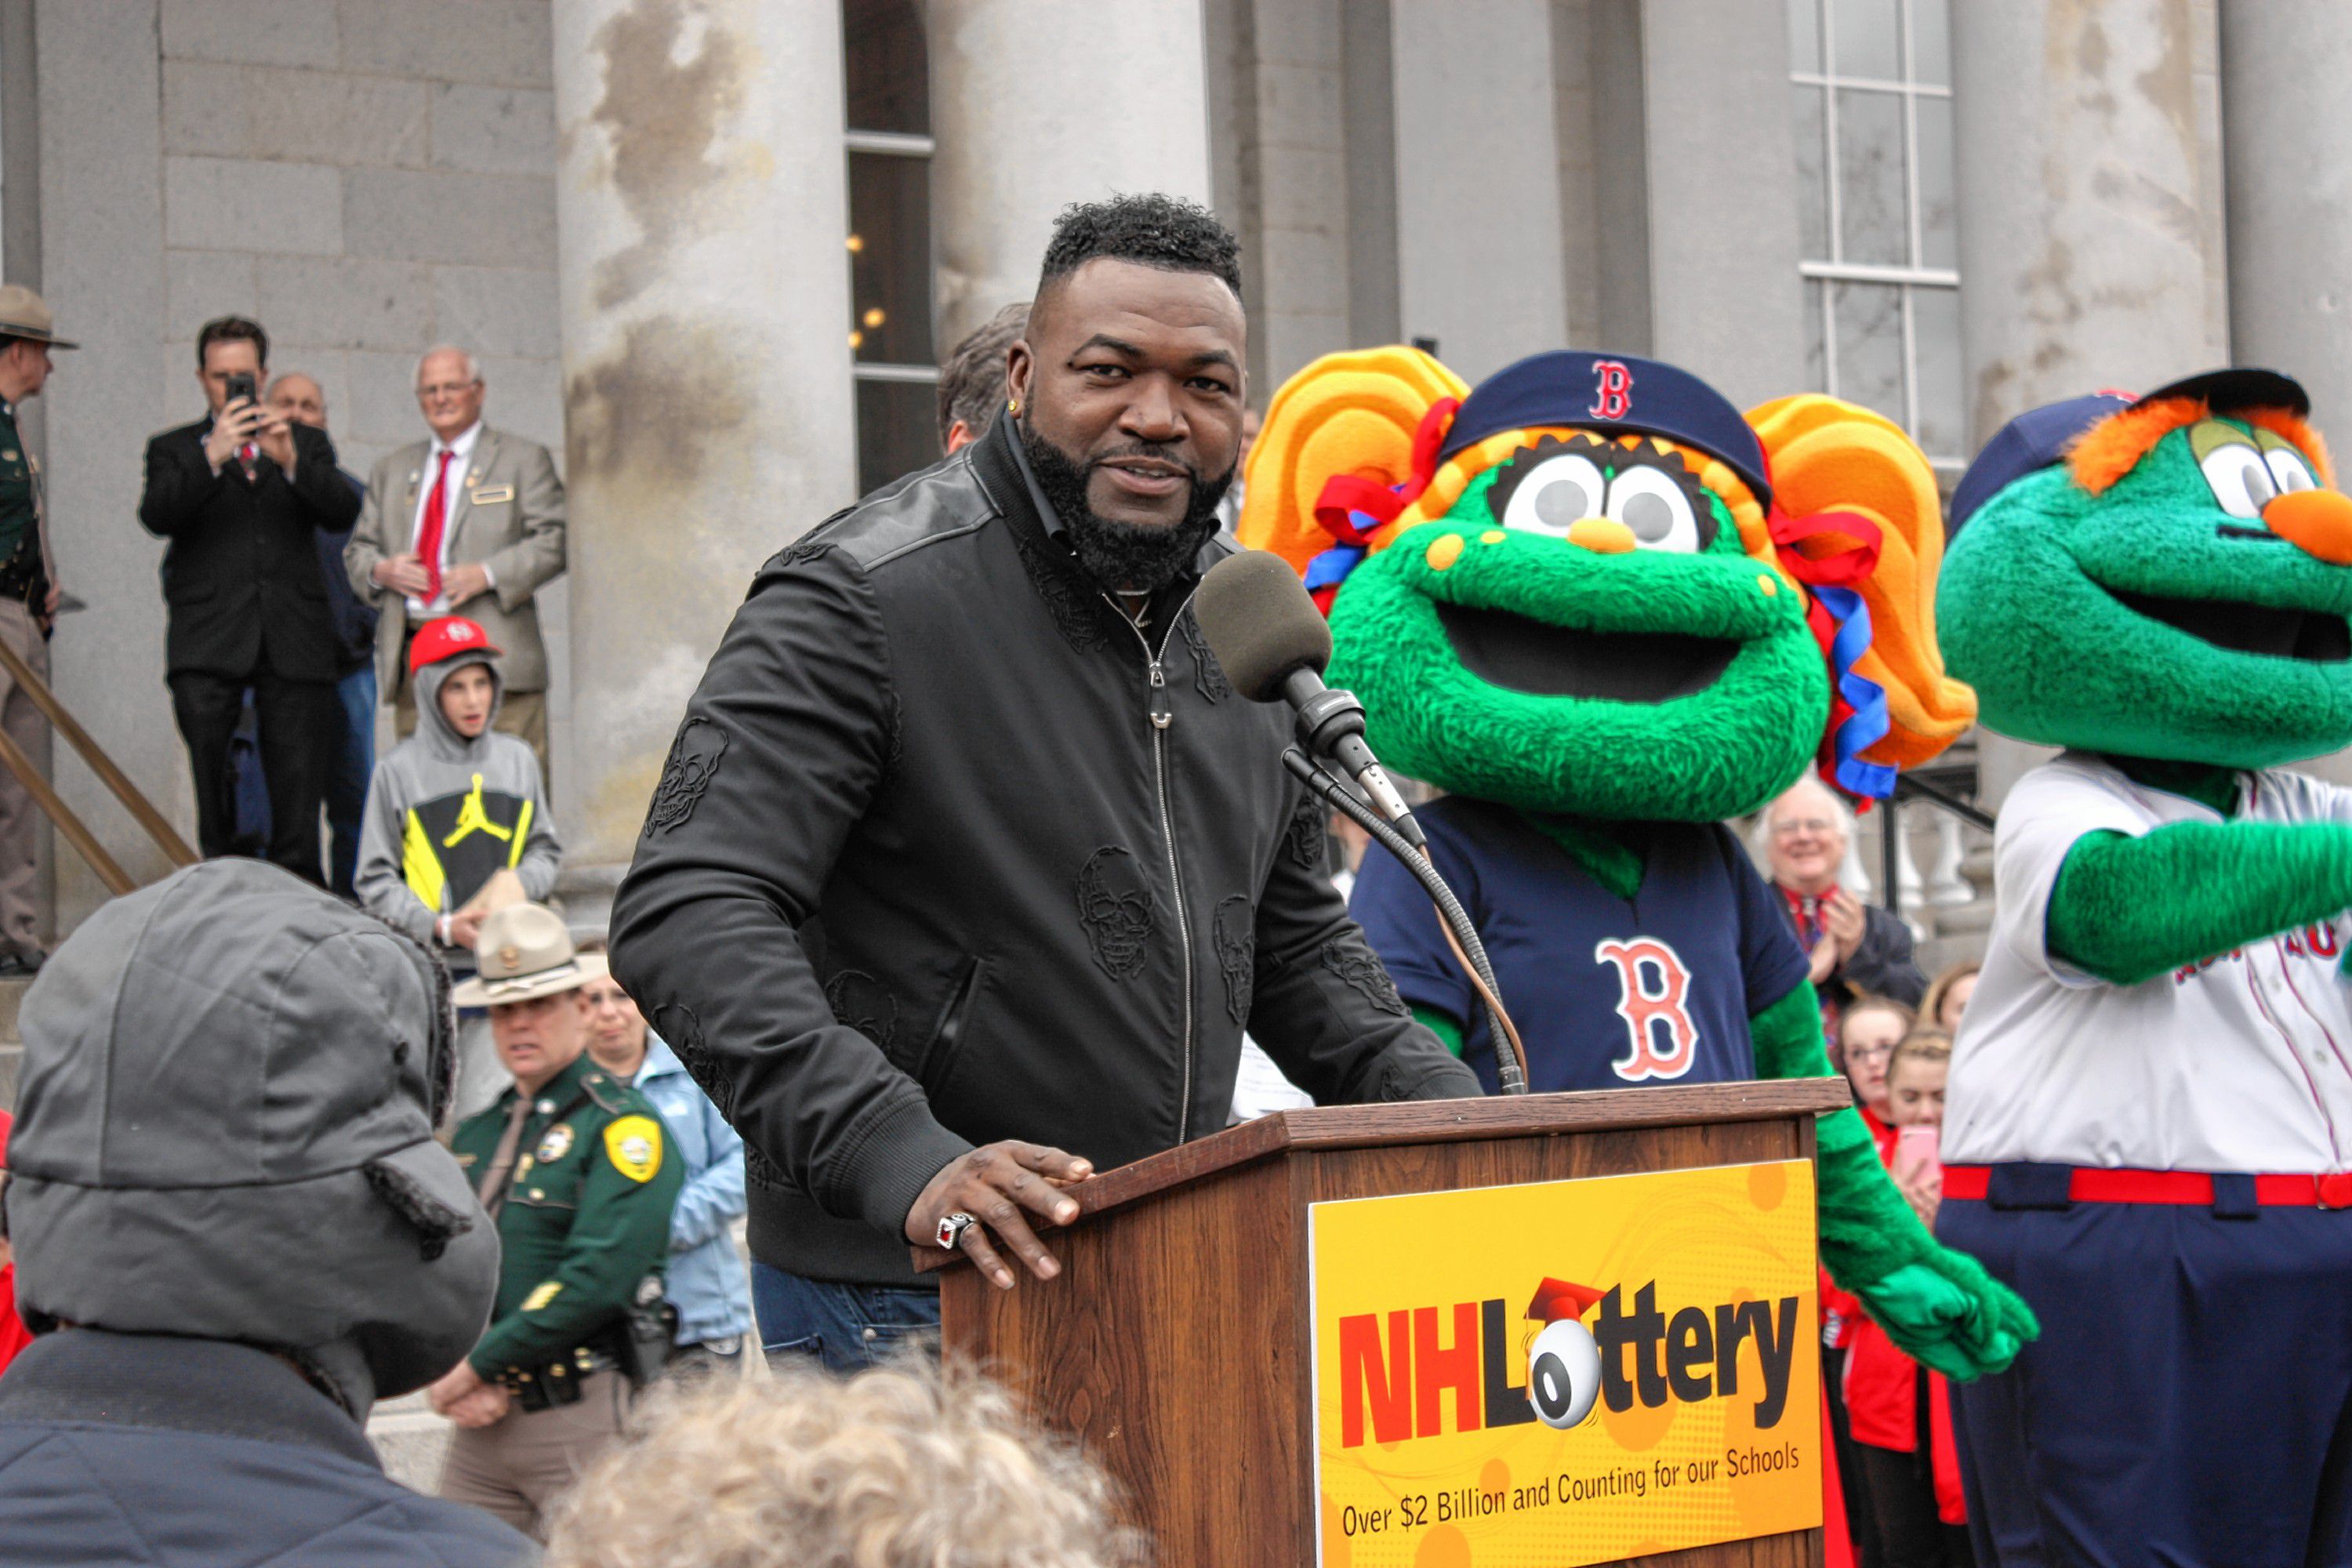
x=428 y=541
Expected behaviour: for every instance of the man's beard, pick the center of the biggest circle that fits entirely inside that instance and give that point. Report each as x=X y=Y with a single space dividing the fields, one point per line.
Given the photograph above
x=1133 y=557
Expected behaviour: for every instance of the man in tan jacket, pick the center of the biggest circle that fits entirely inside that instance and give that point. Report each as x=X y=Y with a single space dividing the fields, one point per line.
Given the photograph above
x=470 y=520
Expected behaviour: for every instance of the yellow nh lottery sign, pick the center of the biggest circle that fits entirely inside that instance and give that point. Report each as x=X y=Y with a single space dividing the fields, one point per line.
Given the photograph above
x=1567 y=1372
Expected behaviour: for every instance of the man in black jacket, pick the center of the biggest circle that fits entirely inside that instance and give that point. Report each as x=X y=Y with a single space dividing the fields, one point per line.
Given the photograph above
x=242 y=494
x=967 y=866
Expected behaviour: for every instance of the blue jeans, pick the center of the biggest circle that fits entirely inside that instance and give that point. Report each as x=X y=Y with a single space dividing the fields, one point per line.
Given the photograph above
x=349 y=769
x=847 y=1327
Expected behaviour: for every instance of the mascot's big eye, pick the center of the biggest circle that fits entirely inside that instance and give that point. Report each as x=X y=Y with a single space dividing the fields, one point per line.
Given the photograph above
x=2289 y=471
x=2241 y=480
x=1560 y=493
x=1648 y=501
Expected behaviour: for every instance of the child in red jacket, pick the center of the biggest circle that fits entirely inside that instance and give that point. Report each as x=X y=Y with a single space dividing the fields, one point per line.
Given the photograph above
x=1892 y=1401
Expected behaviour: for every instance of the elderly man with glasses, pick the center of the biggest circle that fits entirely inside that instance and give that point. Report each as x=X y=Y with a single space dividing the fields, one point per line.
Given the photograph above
x=1857 y=949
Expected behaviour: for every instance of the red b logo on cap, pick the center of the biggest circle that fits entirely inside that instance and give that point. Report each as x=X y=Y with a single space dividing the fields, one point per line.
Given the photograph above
x=1613 y=390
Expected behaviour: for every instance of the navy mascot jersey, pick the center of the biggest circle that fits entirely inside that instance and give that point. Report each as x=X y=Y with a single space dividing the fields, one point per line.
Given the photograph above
x=1607 y=994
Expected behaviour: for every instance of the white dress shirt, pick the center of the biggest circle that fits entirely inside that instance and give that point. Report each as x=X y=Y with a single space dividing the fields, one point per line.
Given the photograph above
x=461 y=451
x=2242 y=1063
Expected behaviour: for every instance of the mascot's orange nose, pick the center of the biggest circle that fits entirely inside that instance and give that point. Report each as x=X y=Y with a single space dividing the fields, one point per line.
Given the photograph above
x=1601 y=535
x=2318 y=521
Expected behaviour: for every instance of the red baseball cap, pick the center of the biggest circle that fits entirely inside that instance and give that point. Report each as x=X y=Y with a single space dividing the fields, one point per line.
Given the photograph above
x=436 y=640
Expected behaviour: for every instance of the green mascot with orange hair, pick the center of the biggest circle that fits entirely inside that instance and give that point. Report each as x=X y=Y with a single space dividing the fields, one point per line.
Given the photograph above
x=1603 y=611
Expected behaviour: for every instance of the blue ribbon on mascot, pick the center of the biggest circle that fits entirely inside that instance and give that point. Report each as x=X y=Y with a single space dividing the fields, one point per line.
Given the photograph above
x=1841 y=623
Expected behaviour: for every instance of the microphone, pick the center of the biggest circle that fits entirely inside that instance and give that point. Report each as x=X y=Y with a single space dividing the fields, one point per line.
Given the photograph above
x=1274 y=646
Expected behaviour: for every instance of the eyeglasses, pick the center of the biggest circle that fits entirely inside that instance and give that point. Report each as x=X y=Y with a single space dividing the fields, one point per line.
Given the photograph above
x=1867 y=1053
x=1791 y=829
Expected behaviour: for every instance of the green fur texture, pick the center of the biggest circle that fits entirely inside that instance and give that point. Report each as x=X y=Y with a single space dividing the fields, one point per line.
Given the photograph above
x=1939 y=1306
x=1718 y=752
x=2129 y=909
x=2027 y=617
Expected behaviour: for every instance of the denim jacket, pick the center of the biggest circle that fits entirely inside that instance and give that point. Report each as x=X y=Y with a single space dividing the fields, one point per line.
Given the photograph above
x=707 y=1283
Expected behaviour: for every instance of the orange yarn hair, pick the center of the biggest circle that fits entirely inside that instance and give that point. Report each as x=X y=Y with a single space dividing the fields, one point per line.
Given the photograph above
x=1827 y=455
x=1353 y=413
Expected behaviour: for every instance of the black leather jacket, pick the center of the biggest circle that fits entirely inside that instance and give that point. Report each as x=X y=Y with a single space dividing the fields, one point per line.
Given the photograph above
x=948 y=851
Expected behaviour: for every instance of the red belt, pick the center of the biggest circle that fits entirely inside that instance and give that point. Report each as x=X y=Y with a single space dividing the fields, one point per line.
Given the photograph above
x=2086 y=1185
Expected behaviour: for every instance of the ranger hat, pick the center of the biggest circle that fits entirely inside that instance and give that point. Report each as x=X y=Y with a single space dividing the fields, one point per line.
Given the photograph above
x=24 y=315
x=525 y=953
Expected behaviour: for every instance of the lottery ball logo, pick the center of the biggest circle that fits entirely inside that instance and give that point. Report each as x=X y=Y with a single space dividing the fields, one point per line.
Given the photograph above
x=1564 y=1374
x=1564 y=1363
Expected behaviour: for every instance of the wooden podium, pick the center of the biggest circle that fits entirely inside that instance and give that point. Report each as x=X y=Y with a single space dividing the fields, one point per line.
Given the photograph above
x=1176 y=1344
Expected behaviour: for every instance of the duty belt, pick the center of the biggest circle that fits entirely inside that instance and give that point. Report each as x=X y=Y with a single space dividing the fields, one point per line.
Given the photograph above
x=544 y=1386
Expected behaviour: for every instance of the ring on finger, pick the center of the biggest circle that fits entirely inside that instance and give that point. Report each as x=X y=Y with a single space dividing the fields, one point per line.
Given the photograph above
x=951 y=1228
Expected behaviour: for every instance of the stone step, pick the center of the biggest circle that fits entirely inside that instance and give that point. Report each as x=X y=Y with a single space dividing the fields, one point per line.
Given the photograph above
x=410 y=1440
x=1937 y=954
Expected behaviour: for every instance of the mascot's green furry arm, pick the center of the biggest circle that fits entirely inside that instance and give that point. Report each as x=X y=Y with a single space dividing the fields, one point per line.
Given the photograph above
x=2116 y=911
x=1604 y=611
x=1937 y=1304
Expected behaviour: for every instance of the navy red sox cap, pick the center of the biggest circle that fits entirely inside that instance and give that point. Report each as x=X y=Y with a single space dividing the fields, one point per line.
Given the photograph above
x=2039 y=437
x=1615 y=393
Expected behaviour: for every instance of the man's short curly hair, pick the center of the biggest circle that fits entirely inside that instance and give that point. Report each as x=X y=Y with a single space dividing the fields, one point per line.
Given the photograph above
x=899 y=1466
x=1150 y=229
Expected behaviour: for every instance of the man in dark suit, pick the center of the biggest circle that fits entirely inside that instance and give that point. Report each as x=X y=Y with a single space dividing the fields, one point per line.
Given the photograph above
x=242 y=495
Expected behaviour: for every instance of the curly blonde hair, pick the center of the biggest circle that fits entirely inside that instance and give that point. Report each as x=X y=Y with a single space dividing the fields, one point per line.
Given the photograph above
x=901 y=1466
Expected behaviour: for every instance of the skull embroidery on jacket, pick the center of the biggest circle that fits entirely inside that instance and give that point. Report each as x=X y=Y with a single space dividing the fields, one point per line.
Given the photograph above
x=693 y=762
x=1115 y=904
x=1235 y=932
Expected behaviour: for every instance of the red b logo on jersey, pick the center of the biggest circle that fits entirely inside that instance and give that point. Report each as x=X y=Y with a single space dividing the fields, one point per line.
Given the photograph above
x=1652 y=981
x=1612 y=389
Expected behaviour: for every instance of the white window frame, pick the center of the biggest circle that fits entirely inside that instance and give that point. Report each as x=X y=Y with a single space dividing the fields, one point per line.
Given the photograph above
x=1836 y=269
x=890 y=144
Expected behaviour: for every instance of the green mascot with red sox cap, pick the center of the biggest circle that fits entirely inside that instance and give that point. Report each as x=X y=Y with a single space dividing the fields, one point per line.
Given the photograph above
x=1604 y=611
x=2149 y=1119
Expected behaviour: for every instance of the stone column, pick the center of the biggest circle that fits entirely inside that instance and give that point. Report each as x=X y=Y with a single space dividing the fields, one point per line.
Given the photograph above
x=2088 y=141
x=1019 y=93
x=2288 y=149
x=701 y=209
x=101 y=232
x=1479 y=262
x=1718 y=167
x=2289 y=152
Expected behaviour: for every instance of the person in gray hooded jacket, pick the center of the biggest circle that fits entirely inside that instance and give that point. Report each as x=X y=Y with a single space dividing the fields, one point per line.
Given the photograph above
x=234 y=1232
x=456 y=802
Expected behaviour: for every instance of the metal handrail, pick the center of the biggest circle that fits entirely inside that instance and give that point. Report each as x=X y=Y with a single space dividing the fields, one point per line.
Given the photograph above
x=142 y=810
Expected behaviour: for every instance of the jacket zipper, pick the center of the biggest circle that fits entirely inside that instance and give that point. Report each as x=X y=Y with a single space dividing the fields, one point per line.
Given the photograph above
x=1163 y=713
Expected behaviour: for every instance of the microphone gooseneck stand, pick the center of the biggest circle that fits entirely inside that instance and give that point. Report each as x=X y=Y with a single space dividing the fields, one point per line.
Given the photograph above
x=1461 y=935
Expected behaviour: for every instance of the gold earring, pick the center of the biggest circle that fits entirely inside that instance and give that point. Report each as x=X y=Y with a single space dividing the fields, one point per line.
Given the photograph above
x=1012 y=406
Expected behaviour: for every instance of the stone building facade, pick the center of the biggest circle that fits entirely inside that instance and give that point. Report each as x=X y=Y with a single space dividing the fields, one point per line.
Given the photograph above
x=709 y=250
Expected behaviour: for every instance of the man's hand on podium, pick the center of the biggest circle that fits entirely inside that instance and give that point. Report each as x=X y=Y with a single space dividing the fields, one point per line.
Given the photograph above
x=992 y=1184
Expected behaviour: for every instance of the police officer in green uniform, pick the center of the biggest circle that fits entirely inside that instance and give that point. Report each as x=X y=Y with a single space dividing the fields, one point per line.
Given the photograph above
x=574 y=1164
x=29 y=607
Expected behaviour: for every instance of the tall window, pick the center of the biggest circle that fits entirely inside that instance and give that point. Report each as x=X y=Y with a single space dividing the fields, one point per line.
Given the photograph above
x=889 y=146
x=1872 y=84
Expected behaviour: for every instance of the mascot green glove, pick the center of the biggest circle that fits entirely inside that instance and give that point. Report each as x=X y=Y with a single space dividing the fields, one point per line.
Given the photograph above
x=2150 y=1118
x=1584 y=600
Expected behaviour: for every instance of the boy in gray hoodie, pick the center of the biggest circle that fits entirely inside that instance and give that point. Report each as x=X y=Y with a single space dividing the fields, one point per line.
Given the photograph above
x=453 y=803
